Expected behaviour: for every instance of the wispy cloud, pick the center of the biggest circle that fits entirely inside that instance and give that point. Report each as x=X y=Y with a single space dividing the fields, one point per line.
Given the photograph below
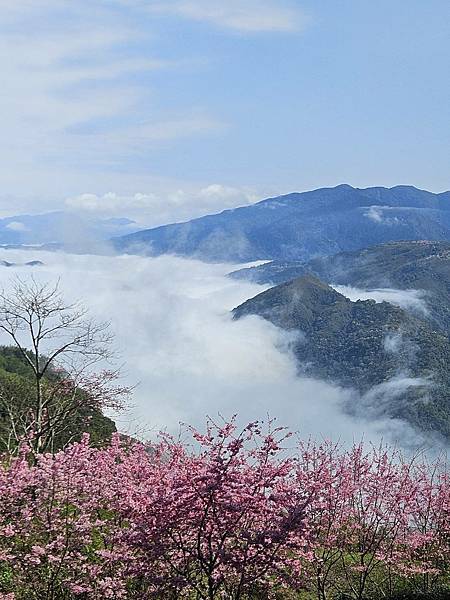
x=77 y=93
x=152 y=209
x=168 y=129
x=16 y=226
x=411 y=299
x=88 y=100
x=240 y=15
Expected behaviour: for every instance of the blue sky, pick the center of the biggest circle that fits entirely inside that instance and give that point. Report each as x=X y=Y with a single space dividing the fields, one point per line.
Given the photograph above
x=163 y=110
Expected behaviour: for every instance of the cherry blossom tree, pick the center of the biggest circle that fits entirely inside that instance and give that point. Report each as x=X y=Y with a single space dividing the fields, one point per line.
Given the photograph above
x=230 y=516
x=325 y=471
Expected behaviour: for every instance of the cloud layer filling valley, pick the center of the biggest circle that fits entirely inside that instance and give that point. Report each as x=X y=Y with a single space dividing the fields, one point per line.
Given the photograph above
x=173 y=326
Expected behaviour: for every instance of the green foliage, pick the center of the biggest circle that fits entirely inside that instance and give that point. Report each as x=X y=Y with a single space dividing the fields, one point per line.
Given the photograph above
x=439 y=594
x=17 y=386
x=364 y=344
x=405 y=265
x=12 y=361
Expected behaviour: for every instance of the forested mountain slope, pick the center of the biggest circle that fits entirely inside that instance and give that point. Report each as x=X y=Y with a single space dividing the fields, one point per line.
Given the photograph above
x=407 y=265
x=397 y=361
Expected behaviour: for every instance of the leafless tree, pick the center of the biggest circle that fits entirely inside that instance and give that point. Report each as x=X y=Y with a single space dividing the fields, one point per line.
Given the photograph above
x=69 y=356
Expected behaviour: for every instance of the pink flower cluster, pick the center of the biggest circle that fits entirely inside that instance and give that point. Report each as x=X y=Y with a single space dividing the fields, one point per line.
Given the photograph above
x=234 y=515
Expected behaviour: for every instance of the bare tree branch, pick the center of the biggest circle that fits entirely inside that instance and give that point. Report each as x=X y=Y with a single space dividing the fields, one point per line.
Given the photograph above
x=62 y=346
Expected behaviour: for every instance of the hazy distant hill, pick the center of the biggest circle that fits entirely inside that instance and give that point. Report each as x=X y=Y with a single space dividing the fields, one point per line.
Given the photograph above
x=300 y=226
x=61 y=227
x=30 y=263
x=364 y=345
x=418 y=265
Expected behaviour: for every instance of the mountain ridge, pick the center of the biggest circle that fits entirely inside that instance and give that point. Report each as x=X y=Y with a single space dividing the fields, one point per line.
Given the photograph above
x=301 y=225
x=407 y=265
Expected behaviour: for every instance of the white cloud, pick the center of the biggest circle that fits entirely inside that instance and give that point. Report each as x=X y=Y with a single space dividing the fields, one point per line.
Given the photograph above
x=414 y=300
x=16 y=226
x=375 y=214
x=240 y=15
x=378 y=398
x=174 y=328
x=154 y=209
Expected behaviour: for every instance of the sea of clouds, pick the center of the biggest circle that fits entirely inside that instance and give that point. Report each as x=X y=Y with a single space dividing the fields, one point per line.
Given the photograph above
x=179 y=344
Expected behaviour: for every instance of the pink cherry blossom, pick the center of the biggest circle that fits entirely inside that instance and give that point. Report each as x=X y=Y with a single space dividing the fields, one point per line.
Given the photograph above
x=233 y=515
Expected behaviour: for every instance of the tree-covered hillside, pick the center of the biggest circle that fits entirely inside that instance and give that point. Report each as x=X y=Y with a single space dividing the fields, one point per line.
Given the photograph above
x=419 y=265
x=17 y=393
x=364 y=345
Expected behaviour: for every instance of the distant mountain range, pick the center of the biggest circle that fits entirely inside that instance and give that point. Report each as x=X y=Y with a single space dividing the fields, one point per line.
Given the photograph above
x=62 y=229
x=301 y=226
x=397 y=359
